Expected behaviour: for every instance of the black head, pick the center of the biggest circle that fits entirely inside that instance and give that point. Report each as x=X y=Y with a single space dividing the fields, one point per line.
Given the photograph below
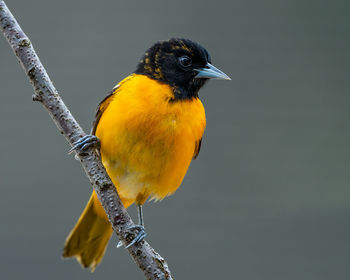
x=181 y=63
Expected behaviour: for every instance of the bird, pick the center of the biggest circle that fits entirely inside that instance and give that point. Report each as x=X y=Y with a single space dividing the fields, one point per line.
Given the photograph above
x=147 y=131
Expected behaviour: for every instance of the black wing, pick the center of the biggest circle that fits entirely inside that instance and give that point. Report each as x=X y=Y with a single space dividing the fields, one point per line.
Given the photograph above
x=197 y=148
x=102 y=107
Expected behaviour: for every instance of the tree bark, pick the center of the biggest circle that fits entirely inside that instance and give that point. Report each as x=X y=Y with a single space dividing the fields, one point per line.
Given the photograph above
x=149 y=261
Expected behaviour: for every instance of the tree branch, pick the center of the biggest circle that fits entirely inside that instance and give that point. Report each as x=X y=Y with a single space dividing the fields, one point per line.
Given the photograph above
x=149 y=261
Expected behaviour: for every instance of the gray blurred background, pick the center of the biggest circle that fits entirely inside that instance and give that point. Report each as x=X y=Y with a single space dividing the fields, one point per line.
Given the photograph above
x=268 y=197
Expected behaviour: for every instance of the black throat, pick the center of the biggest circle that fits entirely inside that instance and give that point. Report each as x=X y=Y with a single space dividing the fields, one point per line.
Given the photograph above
x=188 y=91
x=181 y=90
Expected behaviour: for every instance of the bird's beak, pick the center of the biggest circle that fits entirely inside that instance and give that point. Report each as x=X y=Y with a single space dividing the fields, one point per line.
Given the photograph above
x=211 y=72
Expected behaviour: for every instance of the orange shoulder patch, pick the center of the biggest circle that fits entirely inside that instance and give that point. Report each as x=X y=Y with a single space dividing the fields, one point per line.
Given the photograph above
x=104 y=104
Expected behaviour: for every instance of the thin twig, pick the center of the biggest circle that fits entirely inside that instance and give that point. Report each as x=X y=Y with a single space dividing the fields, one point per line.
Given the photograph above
x=149 y=261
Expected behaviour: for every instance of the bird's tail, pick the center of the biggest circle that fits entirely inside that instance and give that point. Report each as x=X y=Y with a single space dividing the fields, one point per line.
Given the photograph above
x=88 y=240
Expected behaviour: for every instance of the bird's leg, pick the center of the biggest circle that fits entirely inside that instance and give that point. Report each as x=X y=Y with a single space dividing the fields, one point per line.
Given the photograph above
x=84 y=143
x=140 y=228
x=140 y=214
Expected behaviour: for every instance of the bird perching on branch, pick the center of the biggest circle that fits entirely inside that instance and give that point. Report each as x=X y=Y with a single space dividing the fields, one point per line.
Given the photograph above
x=147 y=132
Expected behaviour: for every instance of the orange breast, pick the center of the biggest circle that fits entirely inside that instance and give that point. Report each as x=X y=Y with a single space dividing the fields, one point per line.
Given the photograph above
x=147 y=141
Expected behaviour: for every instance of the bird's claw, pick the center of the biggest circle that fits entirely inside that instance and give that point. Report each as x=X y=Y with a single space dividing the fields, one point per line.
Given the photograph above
x=139 y=237
x=85 y=142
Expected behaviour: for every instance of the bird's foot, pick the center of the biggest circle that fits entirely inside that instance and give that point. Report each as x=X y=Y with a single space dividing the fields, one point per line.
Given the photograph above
x=139 y=237
x=84 y=143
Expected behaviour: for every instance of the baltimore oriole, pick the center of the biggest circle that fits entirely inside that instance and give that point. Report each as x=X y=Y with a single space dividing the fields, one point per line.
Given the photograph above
x=148 y=130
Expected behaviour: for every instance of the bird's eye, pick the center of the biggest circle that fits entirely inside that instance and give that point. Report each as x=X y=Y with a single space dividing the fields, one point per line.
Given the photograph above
x=185 y=61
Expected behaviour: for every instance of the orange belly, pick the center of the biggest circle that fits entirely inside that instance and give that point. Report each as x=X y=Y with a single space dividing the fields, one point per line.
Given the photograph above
x=147 y=141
